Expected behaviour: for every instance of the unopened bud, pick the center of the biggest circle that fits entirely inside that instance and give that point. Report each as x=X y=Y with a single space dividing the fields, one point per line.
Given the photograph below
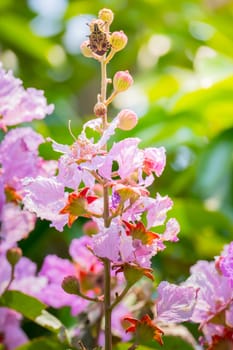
x=70 y=285
x=118 y=40
x=106 y=15
x=127 y=119
x=122 y=81
x=100 y=109
x=98 y=190
x=90 y=228
x=85 y=49
x=13 y=255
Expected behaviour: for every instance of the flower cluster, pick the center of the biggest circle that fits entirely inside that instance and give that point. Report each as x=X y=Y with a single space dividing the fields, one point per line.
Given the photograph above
x=108 y=184
x=19 y=157
x=17 y=104
x=212 y=309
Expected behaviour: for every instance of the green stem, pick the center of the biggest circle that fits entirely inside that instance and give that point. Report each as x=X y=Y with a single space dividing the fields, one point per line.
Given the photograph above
x=107 y=263
x=111 y=98
x=12 y=277
x=120 y=297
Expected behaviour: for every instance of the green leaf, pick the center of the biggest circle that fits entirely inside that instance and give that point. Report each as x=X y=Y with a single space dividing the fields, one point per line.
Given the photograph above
x=174 y=343
x=43 y=343
x=33 y=309
x=14 y=30
x=126 y=346
x=28 y=306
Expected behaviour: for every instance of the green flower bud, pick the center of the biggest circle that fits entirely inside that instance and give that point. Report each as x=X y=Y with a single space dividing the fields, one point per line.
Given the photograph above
x=70 y=285
x=13 y=255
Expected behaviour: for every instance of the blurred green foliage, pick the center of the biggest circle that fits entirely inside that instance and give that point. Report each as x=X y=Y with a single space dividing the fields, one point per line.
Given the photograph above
x=181 y=56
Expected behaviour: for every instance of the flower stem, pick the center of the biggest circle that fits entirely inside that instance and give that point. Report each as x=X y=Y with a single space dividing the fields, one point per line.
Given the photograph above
x=120 y=297
x=12 y=277
x=107 y=263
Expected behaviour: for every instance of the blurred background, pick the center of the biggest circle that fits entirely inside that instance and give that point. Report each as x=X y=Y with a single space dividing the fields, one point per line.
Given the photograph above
x=180 y=54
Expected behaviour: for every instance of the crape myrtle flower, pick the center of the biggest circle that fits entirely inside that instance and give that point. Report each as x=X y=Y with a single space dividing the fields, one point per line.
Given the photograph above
x=213 y=310
x=11 y=335
x=88 y=163
x=225 y=262
x=16 y=224
x=19 y=157
x=174 y=304
x=19 y=105
x=84 y=266
x=25 y=279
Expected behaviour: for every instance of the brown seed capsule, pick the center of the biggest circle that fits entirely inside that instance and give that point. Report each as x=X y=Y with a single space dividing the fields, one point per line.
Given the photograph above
x=100 y=109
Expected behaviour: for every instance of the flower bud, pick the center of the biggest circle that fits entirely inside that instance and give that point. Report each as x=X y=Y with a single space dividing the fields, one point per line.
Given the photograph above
x=106 y=15
x=90 y=228
x=127 y=119
x=122 y=81
x=100 y=109
x=70 y=285
x=85 y=49
x=118 y=40
x=13 y=255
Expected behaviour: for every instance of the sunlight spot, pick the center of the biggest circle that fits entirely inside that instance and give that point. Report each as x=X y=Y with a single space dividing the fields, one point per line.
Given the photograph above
x=56 y=55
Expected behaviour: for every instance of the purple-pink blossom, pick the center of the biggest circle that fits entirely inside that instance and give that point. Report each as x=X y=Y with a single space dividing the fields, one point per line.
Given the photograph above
x=11 y=335
x=15 y=225
x=174 y=303
x=84 y=266
x=19 y=105
x=19 y=157
x=215 y=293
x=225 y=262
x=46 y=197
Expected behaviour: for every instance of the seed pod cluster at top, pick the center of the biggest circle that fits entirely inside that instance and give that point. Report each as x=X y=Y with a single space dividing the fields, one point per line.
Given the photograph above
x=101 y=41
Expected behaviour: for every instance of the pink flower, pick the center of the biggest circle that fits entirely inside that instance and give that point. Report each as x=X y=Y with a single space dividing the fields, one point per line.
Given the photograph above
x=85 y=266
x=128 y=157
x=11 y=335
x=157 y=210
x=19 y=105
x=19 y=157
x=54 y=270
x=154 y=160
x=215 y=293
x=174 y=303
x=46 y=197
x=225 y=262
x=106 y=243
x=172 y=229
x=25 y=277
x=15 y=225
